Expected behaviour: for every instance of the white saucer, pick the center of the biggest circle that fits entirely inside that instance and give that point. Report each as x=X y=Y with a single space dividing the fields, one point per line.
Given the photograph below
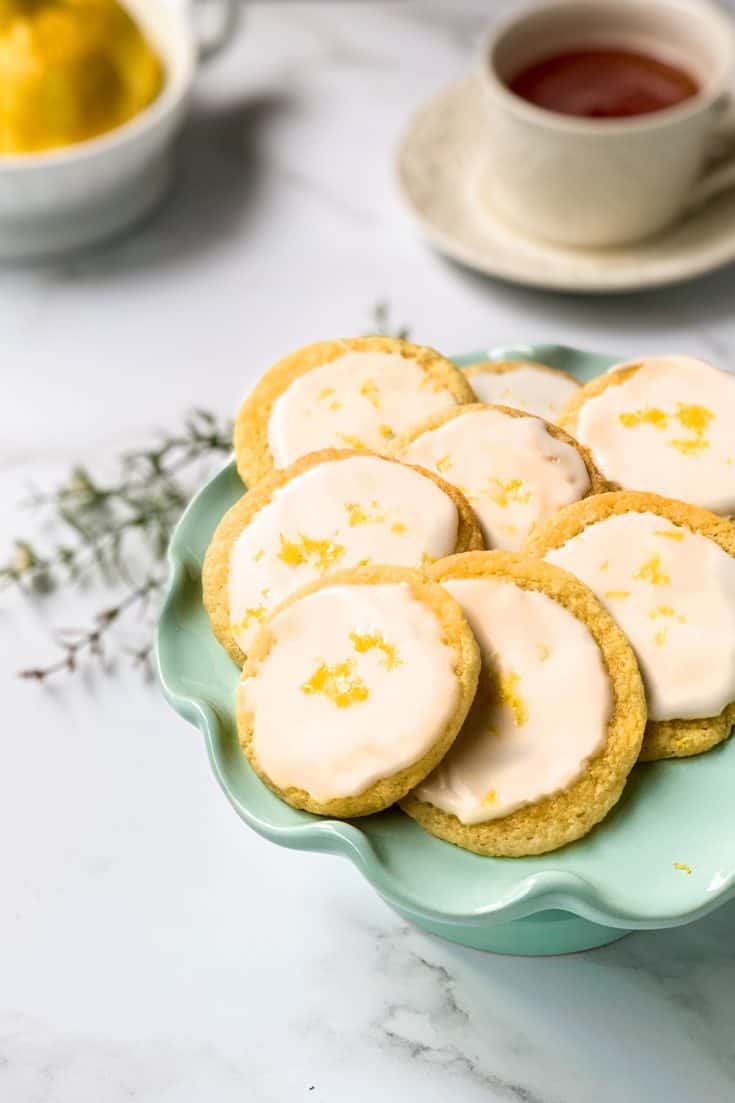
x=439 y=162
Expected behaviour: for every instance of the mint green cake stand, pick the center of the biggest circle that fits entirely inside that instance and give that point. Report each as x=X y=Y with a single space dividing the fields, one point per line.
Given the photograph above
x=630 y=873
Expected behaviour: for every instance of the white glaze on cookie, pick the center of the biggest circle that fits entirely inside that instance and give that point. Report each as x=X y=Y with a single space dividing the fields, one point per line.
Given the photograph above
x=525 y=387
x=670 y=429
x=357 y=686
x=673 y=593
x=513 y=472
x=341 y=513
x=541 y=717
x=360 y=400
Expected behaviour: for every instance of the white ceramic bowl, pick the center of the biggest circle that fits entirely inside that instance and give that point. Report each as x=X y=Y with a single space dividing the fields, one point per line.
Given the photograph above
x=72 y=197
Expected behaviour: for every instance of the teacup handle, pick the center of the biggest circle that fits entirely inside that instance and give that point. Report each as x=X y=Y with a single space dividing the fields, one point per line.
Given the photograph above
x=214 y=32
x=720 y=172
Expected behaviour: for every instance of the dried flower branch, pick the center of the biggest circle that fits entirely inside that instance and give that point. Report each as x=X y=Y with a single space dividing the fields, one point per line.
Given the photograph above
x=114 y=531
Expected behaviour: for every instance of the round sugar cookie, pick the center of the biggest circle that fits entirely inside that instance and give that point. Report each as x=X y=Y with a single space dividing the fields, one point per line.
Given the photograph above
x=358 y=392
x=331 y=509
x=557 y=721
x=514 y=469
x=666 y=425
x=355 y=688
x=525 y=385
x=666 y=571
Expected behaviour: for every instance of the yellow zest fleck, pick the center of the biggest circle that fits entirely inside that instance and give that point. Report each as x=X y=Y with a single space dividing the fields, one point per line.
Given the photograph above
x=509 y=696
x=367 y=641
x=325 y=393
x=683 y=868
x=693 y=417
x=265 y=591
x=661 y=611
x=351 y=440
x=398 y=527
x=363 y=562
x=660 y=637
x=426 y=560
x=670 y=534
x=443 y=463
x=258 y=555
x=369 y=390
x=689 y=446
x=613 y=594
x=256 y=613
x=729 y=461
x=321 y=554
x=543 y=651
x=505 y=491
x=605 y=565
x=335 y=405
x=647 y=415
x=358 y=515
x=490 y=797
x=652 y=572
x=386 y=432
x=337 y=683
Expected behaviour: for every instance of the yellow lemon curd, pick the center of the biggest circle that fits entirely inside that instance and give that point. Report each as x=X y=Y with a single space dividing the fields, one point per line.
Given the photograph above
x=69 y=70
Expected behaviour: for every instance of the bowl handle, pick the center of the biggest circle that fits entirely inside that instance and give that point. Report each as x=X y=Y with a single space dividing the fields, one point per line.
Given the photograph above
x=214 y=23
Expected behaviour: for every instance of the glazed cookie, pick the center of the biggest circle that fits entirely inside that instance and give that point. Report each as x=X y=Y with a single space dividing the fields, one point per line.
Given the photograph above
x=666 y=425
x=513 y=468
x=558 y=718
x=666 y=572
x=523 y=384
x=354 y=393
x=328 y=510
x=355 y=688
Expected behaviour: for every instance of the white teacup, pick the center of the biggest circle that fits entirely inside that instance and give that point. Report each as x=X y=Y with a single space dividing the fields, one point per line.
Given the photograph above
x=601 y=182
x=74 y=196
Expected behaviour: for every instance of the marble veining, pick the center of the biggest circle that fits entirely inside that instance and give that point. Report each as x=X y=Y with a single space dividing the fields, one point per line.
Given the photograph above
x=151 y=948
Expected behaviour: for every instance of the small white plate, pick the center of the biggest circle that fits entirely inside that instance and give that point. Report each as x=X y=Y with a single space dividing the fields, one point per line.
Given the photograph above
x=440 y=161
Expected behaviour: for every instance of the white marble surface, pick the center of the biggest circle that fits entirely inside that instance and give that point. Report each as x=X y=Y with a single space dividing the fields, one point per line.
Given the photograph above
x=151 y=948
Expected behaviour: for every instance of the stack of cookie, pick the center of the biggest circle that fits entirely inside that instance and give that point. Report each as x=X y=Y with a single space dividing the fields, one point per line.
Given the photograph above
x=483 y=595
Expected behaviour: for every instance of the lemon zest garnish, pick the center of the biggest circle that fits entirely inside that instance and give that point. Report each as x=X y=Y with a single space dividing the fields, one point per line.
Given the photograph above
x=443 y=463
x=695 y=418
x=335 y=405
x=398 y=527
x=691 y=416
x=256 y=613
x=325 y=393
x=321 y=554
x=426 y=560
x=605 y=565
x=617 y=593
x=507 y=491
x=683 y=867
x=337 y=683
x=543 y=651
x=351 y=440
x=509 y=696
x=369 y=390
x=689 y=447
x=661 y=611
x=369 y=640
x=670 y=534
x=490 y=797
x=652 y=572
x=358 y=515
x=386 y=432
x=647 y=415
x=258 y=555
x=660 y=637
